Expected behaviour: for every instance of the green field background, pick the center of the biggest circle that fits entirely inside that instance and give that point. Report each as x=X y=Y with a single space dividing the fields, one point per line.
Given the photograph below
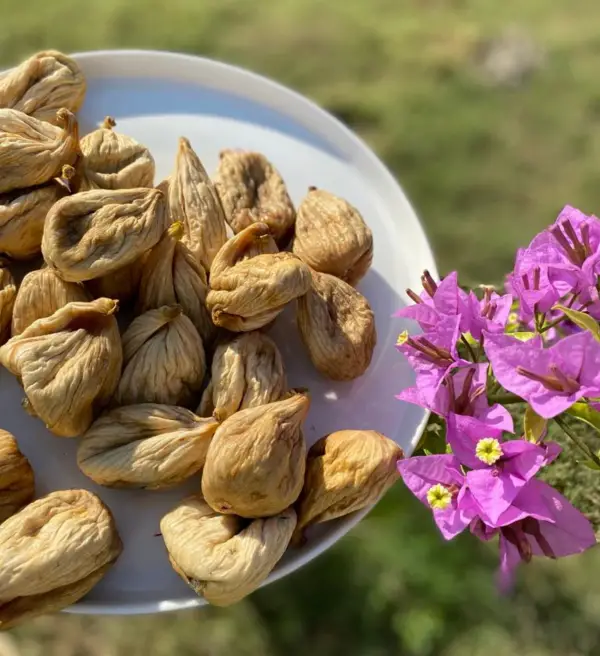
x=488 y=112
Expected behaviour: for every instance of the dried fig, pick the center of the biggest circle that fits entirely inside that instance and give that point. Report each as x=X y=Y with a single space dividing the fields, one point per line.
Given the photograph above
x=164 y=359
x=221 y=557
x=94 y=233
x=32 y=152
x=337 y=327
x=346 y=471
x=23 y=213
x=52 y=553
x=247 y=371
x=255 y=463
x=145 y=446
x=252 y=190
x=69 y=364
x=247 y=294
x=122 y=284
x=16 y=477
x=332 y=237
x=194 y=201
x=111 y=160
x=171 y=275
x=43 y=84
x=40 y=294
x=8 y=293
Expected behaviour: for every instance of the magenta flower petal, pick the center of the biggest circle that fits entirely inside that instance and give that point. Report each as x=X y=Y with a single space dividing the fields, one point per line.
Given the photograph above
x=420 y=473
x=570 y=532
x=510 y=358
x=426 y=316
x=509 y=561
x=463 y=434
x=492 y=492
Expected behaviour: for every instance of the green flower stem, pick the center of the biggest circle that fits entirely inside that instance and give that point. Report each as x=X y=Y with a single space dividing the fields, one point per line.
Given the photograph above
x=505 y=399
x=579 y=443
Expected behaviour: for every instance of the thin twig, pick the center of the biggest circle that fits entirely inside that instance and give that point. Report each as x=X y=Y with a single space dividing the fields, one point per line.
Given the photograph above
x=580 y=444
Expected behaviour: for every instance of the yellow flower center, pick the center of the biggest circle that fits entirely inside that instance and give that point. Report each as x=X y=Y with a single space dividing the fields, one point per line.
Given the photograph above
x=488 y=450
x=402 y=337
x=439 y=497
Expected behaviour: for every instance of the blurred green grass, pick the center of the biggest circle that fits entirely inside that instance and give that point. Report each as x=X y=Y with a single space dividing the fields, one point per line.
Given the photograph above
x=488 y=158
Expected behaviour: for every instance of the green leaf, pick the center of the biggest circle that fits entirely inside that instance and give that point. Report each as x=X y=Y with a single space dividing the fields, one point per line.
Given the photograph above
x=433 y=439
x=590 y=464
x=580 y=319
x=585 y=413
x=534 y=426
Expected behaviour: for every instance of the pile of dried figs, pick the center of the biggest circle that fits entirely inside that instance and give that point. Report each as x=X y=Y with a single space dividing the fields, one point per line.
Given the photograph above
x=188 y=382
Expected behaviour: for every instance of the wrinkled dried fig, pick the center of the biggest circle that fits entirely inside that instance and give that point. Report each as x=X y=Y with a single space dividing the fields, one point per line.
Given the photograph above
x=69 y=364
x=52 y=553
x=43 y=84
x=145 y=446
x=111 y=160
x=252 y=190
x=23 y=213
x=122 y=284
x=33 y=152
x=337 y=327
x=94 y=233
x=171 y=275
x=164 y=359
x=40 y=294
x=255 y=463
x=8 y=293
x=247 y=371
x=332 y=237
x=222 y=557
x=346 y=471
x=247 y=294
x=194 y=201
x=16 y=477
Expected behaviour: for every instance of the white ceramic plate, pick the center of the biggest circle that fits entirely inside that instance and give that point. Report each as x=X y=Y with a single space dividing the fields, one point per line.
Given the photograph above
x=156 y=97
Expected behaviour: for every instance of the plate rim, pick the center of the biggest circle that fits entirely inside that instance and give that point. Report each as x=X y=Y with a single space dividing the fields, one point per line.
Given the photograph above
x=353 y=143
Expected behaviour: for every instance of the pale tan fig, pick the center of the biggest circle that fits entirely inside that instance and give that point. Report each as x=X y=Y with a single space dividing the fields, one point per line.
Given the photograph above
x=145 y=446
x=32 y=152
x=337 y=327
x=247 y=371
x=111 y=160
x=194 y=201
x=16 y=477
x=122 y=284
x=43 y=84
x=222 y=557
x=68 y=363
x=52 y=553
x=346 y=471
x=164 y=359
x=252 y=190
x=172 y=275
x=8 y=293
x=247 y=294
x=255 y=463
x=40 y=294
x=94 y=233
x=332 y=237
x=23 y=213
